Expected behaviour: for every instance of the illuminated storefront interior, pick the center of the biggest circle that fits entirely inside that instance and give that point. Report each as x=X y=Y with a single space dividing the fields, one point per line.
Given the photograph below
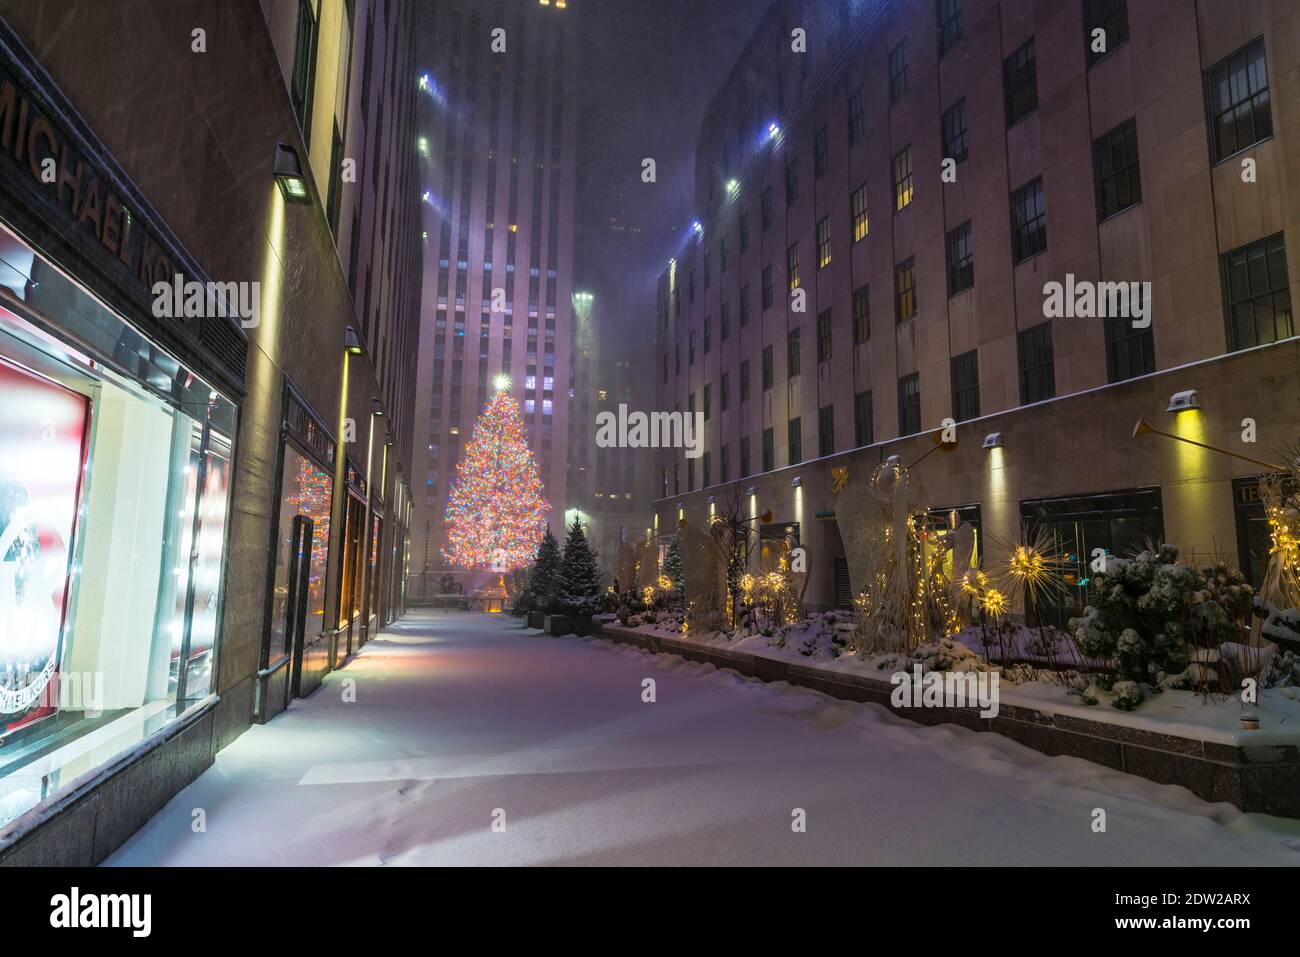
x=115 y=466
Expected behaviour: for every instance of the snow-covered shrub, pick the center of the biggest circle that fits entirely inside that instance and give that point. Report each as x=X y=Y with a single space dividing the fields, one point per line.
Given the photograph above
x=1126 y=695
x=1283 y=670
x=945 y=655
x=1146 y=611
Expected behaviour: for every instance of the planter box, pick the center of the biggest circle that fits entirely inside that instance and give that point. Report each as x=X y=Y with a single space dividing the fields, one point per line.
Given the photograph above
x=559 y=625
x=537 y=619
x=1263 y=778
x=582 y=626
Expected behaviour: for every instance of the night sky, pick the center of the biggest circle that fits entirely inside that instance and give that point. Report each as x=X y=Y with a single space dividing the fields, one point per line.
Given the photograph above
x=647 y=74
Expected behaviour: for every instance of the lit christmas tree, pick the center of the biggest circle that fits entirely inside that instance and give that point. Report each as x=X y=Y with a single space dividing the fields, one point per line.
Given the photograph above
x=496 y=513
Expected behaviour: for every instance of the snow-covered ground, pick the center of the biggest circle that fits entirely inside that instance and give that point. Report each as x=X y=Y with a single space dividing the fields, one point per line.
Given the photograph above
x=462 y=719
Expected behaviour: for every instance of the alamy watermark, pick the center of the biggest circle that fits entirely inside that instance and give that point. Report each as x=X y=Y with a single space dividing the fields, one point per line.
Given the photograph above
x=1084 y=299
x=654 y=430
x=946 y=689
x=180 y=299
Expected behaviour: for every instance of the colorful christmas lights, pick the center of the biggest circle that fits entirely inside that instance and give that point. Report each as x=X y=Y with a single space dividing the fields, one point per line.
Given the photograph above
x=496 y=513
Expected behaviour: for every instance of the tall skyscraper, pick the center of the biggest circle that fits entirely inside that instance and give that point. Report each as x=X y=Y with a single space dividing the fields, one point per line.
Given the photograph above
x=498 y=153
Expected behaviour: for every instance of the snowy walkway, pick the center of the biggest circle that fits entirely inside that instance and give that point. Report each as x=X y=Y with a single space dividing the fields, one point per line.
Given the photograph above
x=458 y=715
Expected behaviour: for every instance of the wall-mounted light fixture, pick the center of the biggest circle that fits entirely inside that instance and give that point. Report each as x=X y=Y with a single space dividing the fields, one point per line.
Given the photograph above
x=376 y=407
x=288 y=174
x=993 y=440
x=352 y=342
x=709 y=500
x=796 y=481
x=1183 y=401
x=752 y=491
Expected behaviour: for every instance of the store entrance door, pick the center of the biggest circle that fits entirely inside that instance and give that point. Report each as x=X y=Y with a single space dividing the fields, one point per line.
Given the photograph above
x=296 y=613
x=353 y=568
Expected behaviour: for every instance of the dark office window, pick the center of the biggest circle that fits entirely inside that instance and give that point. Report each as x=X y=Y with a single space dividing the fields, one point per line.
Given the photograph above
x=744 y=231
x=1258 y=301
x=723 y=246
x=909 y=404
x=1037 y=370
x=905 y=290
x=791 y=181
x=858 y=212
x=903 y=179
x=961 y=259
x=767 y=368
x=862 y=432
x=767 y=287
x=708 y=334
x=690 y=475
x=1236 y=99
x=792 y=353
x=824 y=336
x=724 y=320
x=1028 y=220
x=744 y=381
x=792 y=266
x=690 y=286
x=947 y=15
x=1108 y=16
x=897 y=72
x=744 y=305
x=724 y=466
x=336 y=178
x=857 y=117
x=690 y=338
x=665 y=368
x=795 y=434
x=952 y=126
x=823 y=242
x=724 y=392
x=1115 y=166
x=765 y=211
x=769 y=450
x=826 y=431
x=304 y=67
x=966 y=386
x=708 y=405
x=1129 y=352
x=861 y=314
x=744 y=457
x=1020 y=83
x=821 y=153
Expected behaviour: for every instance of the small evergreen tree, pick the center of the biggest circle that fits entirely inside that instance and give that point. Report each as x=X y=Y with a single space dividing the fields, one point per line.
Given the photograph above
x=580 y=577
x=673 y=564
x=543 y=578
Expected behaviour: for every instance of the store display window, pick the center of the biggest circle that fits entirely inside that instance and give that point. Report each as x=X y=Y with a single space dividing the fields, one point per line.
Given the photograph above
x=114 y=495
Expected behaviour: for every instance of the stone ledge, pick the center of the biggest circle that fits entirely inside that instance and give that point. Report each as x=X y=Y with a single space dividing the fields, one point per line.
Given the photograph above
x=1261 y=778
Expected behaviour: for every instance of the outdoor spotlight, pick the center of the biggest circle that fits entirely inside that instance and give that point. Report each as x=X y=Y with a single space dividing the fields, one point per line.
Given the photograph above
x=288 y=174
x=796 y=481
x=773 y=129
x=1182 y=401
x=697 y=227
x=376 y=407
x=993 y=440
x=752 y=491
x=352 y=342
x=732 y=185
x=424 y=81
x=709 y=500
x=388 y=440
